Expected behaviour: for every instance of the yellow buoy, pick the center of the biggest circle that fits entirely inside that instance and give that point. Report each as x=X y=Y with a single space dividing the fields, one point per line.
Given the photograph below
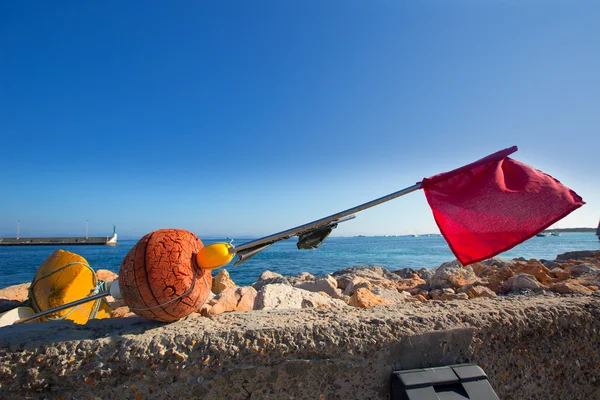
x=65 y=277
x=215 y=255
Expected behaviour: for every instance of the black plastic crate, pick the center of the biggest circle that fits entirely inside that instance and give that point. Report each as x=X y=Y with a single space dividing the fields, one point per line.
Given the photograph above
x=452 y=382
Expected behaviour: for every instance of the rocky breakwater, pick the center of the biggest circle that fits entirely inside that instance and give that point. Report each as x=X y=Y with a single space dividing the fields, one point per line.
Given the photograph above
x=533 y=325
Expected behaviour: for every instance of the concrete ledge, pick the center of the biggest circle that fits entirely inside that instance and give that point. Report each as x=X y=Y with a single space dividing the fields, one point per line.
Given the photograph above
x=533 y=347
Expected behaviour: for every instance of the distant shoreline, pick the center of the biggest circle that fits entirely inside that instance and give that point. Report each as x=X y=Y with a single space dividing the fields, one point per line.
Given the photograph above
x=571 y=230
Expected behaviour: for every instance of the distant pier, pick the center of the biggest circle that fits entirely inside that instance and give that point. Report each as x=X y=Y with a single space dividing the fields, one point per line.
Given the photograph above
x=59 y=241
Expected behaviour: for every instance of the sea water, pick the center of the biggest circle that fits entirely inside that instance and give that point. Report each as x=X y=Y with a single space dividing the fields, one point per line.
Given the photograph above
x=18 y=264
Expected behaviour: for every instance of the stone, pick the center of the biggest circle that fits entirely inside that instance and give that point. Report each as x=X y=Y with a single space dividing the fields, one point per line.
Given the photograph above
x=420 y=298
x=480 y=291
x=364 y=298
x=405 y=284
x=452 y=275
x=306 y=276
x=16 y=292
x=570 y=288
x=204 y=309
x=561 y=273
x=425 y=273
x=578 y=255
x=435 y=294
x=521 y=281
x=373 y=273
x=404 y=273
x=247 y=298
x=122 y=312
x=356 y=283
x=498 y=262
x=582 y=269
x=535 y=268
x=391 y=295
x=495 y=281
x=269 y=275
x=233 y=299
x=222 y=281
x=448 y=291
x=278 y=280
x=548 y=263
x=328 y=284
x=454 y=296
x=106 y=275
x=281 y=296
x=482 y=270
x=225 y=301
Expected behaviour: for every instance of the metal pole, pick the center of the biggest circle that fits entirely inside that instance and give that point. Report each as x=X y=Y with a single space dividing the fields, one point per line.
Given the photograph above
x=291 y=232
x=18 y=229
x=64 y=306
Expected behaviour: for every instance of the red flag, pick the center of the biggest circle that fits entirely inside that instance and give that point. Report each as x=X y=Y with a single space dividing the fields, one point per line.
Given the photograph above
x=493 y=204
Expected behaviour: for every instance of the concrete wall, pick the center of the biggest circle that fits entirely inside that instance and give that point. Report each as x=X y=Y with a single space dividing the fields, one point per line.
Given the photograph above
x=539 y=347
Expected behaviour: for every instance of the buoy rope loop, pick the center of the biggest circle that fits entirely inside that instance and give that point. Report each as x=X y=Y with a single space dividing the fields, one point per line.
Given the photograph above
x=99 y=286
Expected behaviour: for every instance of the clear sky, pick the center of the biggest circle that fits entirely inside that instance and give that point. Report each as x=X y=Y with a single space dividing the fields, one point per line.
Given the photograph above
x=237 y=118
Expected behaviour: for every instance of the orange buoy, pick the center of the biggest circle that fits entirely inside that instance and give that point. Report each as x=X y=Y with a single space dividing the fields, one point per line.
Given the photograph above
x=159 y=278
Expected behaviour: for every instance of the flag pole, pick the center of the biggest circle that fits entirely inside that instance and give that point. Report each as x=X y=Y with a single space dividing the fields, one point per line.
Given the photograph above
x=324 y=221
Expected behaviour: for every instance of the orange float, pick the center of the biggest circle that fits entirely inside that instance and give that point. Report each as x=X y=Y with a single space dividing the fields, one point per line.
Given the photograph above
x=160 y=279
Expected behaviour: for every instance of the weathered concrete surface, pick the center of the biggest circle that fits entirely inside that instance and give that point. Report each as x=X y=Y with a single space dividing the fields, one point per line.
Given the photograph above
x=531 y=347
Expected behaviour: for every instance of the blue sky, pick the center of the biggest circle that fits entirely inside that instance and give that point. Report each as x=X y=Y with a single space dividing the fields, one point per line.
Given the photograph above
x=247 y=118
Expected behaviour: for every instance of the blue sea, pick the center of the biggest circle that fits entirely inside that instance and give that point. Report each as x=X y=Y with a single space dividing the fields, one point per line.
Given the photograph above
x=18 y=264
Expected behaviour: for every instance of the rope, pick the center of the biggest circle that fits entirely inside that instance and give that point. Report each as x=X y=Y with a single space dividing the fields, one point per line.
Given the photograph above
x=100 y=286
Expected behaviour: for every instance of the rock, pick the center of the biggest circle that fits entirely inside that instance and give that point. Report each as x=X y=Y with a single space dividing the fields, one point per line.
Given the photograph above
x=521 y=281
x=282 y=296
x=435 y=294
x=122 y=312
x=269 y=275
x=106 y=275
x=356 y=283
x=535 y=268
x=480 y=291
x=204 y=309
x=364 y=298
x=561 y=273
x=452 y=275
x=582 y=269
x=305 y=276
x=278 y=280
x=405 y=284
x=420 y=298
x=548 y=263
x=454 y=296
x=498 y=262
x=578 y=255
x=247 y=298
x=373 y=274
x=16 y=292
x=233 y=299
x=327 y=284
x=482 y=270
x=404 y=273
x=425 y=273
x=495 y=281
x=448 y=291
x=391 y=295
x=570 y=288
x=225 y=301
x=222 y=281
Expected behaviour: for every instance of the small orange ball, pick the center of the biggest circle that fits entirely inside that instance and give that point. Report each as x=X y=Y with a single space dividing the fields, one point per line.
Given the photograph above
x=159 y=278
